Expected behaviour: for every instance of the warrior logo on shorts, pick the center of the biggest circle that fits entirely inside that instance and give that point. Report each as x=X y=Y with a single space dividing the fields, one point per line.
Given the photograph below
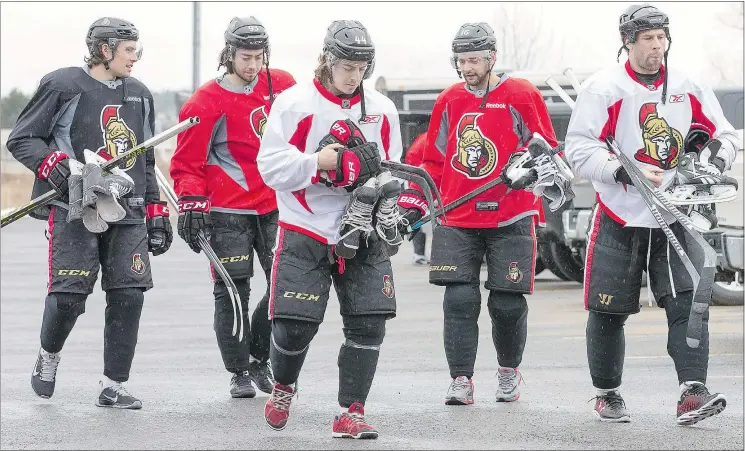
x=476 y=155
x=117 y=136
x=258 y=121
x=387 y=286
x=662 y=143
x=514 y=274
x=138 y=266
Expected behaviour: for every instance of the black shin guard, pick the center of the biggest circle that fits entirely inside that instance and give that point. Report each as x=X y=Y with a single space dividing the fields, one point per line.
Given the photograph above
x=123 y=310
x=461 y=306
x=261 y=329
x=290 y=340
x=606 y=347
x=691 y=364
x=234 y=353
x=61 y=311
x=509 y=319
x=358 y=356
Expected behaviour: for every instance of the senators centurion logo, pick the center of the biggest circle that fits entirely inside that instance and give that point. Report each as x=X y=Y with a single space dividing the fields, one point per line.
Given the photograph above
x=138 y=266
x=258 y=121
x=662 y=143
x=117 y=136
x=514 y=274
x=388 y=286
x=476 y=155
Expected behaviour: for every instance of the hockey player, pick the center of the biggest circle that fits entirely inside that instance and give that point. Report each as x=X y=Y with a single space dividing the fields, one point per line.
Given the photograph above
x=332 y=108
x=222 y=195
x=101 y=108
x=414 y=158
x=648 y=108
x=477 y=128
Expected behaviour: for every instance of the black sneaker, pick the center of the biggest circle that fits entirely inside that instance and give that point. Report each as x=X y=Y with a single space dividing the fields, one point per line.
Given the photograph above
x=45 y=374
x=696 y=404
x=117 y=397
x=261 y=374
x=357 y=219
x=611 y=408
x=240 y=385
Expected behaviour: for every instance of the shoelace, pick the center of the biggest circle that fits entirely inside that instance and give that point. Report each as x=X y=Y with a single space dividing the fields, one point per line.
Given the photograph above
x=356 y=418
x=281 y=399
x=120 y=390
x=612 y=400
x=359 y=216
x=459 y=384
x=48 y=368
x=506 y=380
x=697 y=390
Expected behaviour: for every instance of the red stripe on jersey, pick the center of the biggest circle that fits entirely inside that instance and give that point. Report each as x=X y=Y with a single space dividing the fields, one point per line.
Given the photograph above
x=385 y=136
x=699 y=116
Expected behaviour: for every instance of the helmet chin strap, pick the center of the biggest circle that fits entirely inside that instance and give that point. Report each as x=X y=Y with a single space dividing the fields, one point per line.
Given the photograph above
x=488 y=85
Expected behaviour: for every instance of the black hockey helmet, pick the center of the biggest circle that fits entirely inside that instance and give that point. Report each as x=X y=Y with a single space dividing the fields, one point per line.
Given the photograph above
x=247 y=33
x=350 y=40
x=111 y=28
x=643 y=17
x=472 y=37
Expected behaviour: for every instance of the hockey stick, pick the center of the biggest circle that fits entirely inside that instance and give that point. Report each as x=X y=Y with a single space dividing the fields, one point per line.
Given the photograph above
x=572 y=79
x=700 y=250
x=235 y=297
x=468 y=196
x=44 y=199
x=417 y=175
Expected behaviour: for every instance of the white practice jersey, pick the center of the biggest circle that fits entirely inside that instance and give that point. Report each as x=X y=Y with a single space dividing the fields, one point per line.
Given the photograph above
x=301 y=117
x=614 y=102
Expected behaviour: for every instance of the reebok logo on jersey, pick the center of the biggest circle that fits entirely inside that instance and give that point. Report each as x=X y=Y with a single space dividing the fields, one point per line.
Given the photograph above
x=496 y=105
x=677 y=98
x=370 y=119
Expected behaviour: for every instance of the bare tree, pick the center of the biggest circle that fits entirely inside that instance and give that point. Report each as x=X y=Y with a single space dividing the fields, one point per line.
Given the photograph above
x=722 y=62
x=525 y=40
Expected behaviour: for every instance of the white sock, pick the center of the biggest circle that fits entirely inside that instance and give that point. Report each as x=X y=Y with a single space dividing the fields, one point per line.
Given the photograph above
x=687 y=384
x=108 y=382
x=46 y=354
x=605 y=391
x=252 y=359
x=343 y=409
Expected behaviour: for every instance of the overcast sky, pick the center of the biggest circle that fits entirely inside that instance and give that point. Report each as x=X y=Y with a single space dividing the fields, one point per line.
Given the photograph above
x=412 y=39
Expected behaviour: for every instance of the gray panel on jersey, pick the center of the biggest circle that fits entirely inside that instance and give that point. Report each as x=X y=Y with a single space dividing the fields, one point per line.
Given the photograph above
x=520 y=128
x=62 y=122
x=442 y=135
x=219 y=154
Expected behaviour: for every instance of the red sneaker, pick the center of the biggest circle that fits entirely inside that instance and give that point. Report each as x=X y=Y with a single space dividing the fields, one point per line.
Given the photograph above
x=351 y=424
x=277 y=408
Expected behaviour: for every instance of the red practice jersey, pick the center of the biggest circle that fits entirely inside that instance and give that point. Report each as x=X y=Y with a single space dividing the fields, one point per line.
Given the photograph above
x=415 y=152
x=217 y=158
x=468 y=146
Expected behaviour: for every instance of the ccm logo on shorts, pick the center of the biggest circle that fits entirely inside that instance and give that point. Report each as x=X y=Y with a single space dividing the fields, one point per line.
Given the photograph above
x=73 y=272
x=301 y=296
x=237 y=258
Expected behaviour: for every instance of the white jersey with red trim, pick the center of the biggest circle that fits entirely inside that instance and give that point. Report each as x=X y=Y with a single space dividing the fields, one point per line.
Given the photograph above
x=300 y=118
x=614 y=102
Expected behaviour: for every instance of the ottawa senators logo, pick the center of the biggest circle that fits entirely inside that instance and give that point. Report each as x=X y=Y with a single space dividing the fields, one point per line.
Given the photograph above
x=476 y=155
x=138 y=266
x=117 y=136
x=514 y=274
x=258 y=121
x=662 y=143
x=388 y=286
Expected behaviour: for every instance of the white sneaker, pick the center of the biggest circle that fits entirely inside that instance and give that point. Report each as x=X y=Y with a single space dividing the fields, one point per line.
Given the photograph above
x=419 y=260
x=460 y=392
x=509 y=381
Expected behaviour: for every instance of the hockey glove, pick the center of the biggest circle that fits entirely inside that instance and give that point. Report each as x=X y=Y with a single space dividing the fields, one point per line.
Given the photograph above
x=412 y=206
x=55 y=169
x=345 y=133
x=518 y=173
x=159 y=231
x=356 y=166
x=709 y=155
x=194 y=216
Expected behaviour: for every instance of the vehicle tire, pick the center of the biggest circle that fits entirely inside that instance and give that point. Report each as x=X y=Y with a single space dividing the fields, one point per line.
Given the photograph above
x=567 y=263
x=539 y=266
x=727 y=289
x=544 y=251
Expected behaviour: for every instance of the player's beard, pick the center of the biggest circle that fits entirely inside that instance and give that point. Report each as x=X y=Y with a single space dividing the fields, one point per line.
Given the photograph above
x=479 y=81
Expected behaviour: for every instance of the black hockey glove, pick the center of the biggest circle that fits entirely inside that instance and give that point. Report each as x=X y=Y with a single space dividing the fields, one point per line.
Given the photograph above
x=159 y=230
x=55 y=169
x=194 y=216
x=621 y=176
x=356 y=166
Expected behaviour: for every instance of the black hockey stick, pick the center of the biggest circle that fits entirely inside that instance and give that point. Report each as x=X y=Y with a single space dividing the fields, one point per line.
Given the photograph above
x=44 y=199
x=417 y=175
x=468 y=196
x=700 y=250
x=235 y=297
